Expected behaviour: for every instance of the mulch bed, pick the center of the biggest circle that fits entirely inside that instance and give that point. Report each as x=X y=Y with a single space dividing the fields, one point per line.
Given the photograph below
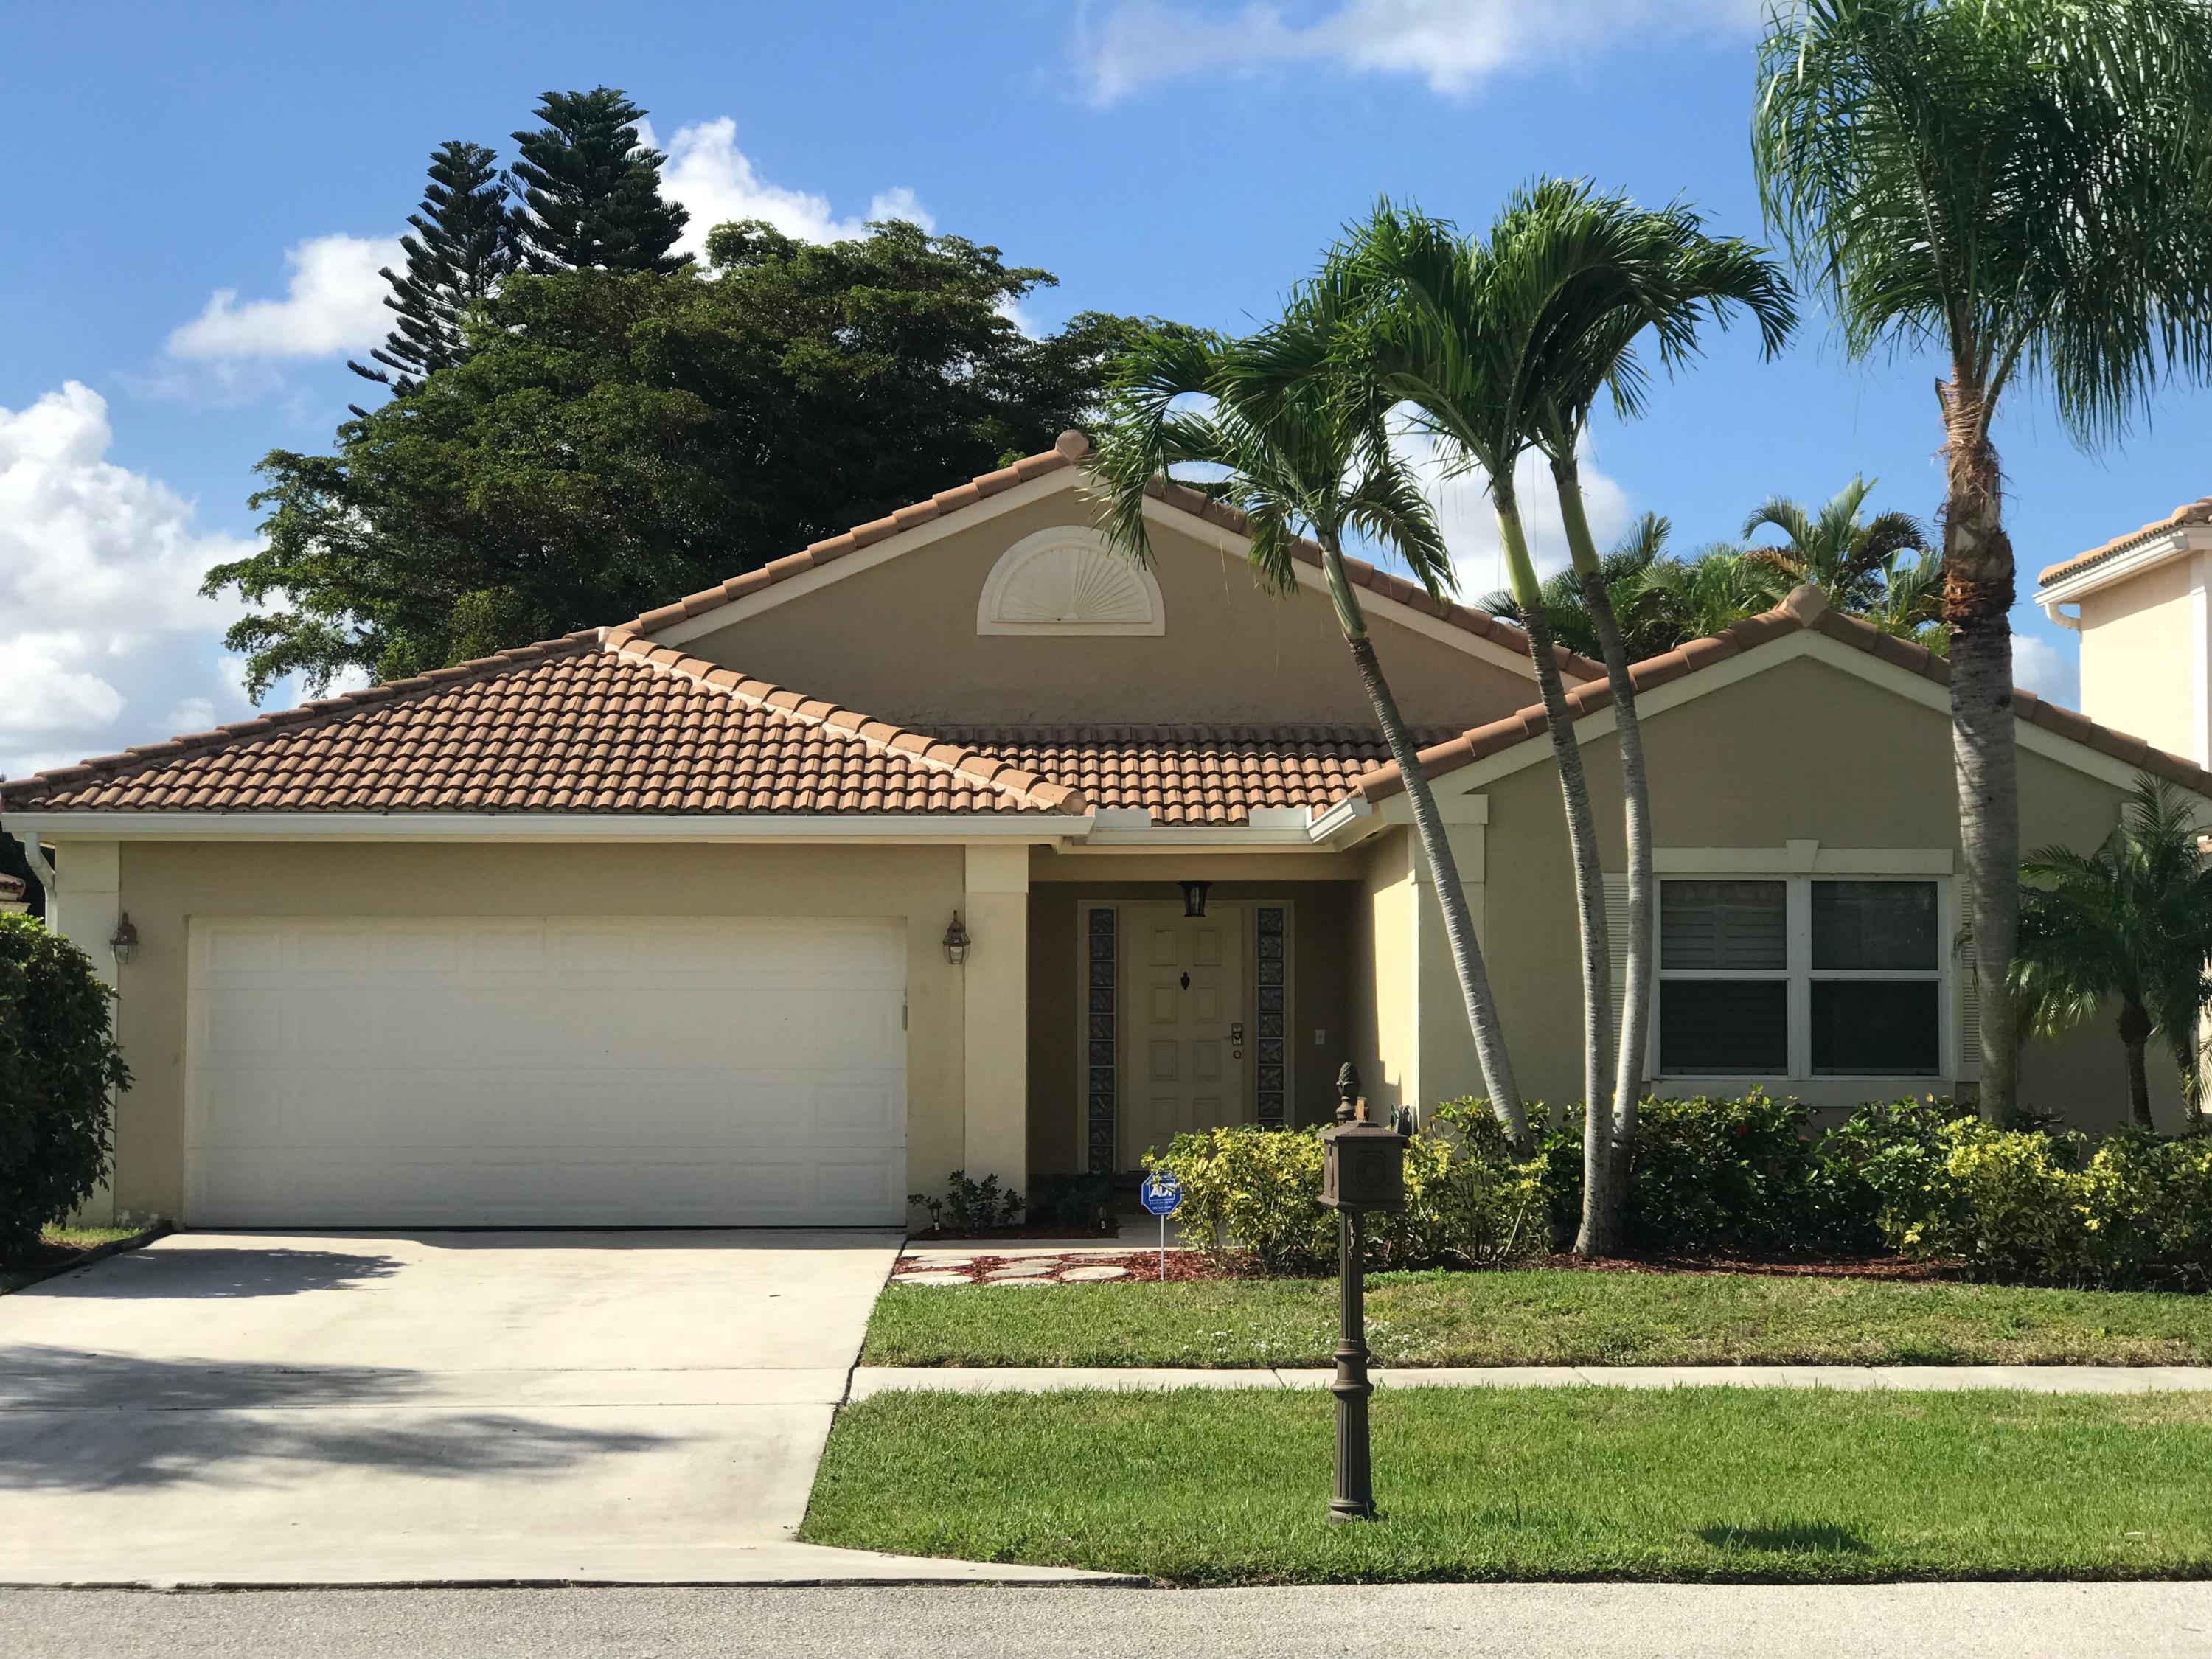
x=1185 y=1266
x=1005 y=1235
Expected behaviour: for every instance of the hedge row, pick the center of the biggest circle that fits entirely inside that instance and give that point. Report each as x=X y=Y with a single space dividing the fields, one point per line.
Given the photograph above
x=1745 y=1177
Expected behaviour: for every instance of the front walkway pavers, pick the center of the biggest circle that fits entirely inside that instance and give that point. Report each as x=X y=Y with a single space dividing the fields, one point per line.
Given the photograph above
x=871 y=1380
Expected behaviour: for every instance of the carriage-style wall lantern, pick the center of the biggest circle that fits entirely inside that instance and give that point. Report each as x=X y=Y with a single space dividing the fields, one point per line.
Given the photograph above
x=1194 y=897
x=125 y=942
x=955 y=943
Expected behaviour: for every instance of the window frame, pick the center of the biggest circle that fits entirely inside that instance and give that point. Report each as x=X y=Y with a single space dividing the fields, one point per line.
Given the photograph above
x=1799 y=975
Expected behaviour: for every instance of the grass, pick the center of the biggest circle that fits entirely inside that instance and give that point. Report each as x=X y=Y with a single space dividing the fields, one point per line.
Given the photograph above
x=1203 y=1487
x=1541 y=1318
x=57 y=1249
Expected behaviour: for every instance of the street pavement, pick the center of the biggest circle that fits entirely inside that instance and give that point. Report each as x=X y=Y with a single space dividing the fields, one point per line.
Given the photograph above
x=1431 y=1621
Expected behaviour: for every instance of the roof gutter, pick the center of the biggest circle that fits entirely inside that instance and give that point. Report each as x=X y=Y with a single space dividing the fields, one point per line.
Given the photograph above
x=35 y=856
x=27 y=825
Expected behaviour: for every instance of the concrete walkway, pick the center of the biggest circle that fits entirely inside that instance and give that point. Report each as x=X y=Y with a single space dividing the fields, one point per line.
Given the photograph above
x=869 y=1380
x=437 y=1408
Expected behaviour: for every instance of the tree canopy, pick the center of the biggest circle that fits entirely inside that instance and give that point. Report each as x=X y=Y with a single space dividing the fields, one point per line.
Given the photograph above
x=462 y=243
x=593 y=189
x=615 y=440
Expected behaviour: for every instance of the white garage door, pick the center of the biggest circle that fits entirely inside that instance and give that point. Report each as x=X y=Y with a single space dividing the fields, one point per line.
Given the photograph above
x=556 y=1073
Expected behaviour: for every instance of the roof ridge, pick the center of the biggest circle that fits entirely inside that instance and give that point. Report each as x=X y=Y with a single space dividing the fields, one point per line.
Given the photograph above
x=2197 y=512
x=919 y=748
x=306 y=716
x=1805 y=611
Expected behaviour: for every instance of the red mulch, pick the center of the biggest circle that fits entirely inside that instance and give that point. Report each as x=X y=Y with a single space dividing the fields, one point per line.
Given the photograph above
x=1184 y=1267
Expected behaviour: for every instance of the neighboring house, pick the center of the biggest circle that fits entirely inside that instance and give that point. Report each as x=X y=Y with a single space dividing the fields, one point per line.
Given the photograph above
x=2140 y=606
x=656 y=923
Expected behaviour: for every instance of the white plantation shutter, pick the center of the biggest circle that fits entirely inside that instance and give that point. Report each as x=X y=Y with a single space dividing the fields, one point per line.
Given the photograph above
x=1970 y=990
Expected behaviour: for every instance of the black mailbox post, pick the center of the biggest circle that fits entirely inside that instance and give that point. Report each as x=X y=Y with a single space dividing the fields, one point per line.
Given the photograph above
x=1363 y=1168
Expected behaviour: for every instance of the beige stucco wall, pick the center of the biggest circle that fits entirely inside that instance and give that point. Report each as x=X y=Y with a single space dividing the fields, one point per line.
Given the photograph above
x=899 y=642
x=1324 y=981
x=2143 y=658
x=164 y=884
x=1803 y=751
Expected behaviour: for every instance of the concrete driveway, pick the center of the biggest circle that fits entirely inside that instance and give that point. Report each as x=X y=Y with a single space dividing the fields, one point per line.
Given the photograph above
x=641 y=1407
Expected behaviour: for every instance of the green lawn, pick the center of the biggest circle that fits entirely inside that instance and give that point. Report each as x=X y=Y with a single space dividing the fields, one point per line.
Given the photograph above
x=1541 y=1318
x=1207 y=1487
x=58 y=1246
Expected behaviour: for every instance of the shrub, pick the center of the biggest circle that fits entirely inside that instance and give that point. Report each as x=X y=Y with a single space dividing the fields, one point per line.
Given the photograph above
x=971 y=1206
x=58 y=1068
x=1257 y=1193
x=1080 y=1203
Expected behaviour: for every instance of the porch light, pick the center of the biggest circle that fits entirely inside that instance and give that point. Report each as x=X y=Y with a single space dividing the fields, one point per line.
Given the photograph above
x=125 y=942
x=955 y=943
x=1194 y=897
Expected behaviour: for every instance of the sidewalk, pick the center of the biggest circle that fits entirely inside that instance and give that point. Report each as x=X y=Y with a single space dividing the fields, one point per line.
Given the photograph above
x=871 y=1380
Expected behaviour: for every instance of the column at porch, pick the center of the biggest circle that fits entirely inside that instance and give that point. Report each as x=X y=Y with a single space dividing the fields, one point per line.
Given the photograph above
x=1447 y=1067
x=995 y=1015
x=84 y=908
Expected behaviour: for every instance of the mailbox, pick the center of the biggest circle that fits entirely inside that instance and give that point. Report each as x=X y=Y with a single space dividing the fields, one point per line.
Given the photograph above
x=1363 y=1168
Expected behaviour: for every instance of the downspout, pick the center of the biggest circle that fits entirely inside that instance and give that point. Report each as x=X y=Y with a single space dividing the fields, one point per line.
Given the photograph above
x=2072 y=624
x=35 y=856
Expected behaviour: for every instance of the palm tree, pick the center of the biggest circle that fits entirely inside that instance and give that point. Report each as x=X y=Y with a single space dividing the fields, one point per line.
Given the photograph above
x=1301 y=454
x=1842 y=554
x=2021 y=186
x=1912 y=603
x=1690 y=598
x=1567 y=612
x=1501 y=345
x=2130 y=923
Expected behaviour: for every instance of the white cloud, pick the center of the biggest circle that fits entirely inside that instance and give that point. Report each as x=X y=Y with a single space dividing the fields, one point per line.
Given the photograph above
x=1126 y=45
x=717 y=182
x=2041 y=667
x=333 y=302
x=103 y=639
x=1469 y=522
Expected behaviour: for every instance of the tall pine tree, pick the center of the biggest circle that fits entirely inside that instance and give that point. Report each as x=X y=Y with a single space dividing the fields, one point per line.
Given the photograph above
x=593 y=190
x=463 y=242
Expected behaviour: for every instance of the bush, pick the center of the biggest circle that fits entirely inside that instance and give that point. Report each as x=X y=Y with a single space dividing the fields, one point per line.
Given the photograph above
x=971 y=1206
x=59 y=1068
x=1080 y=1203
x=1256 y=1193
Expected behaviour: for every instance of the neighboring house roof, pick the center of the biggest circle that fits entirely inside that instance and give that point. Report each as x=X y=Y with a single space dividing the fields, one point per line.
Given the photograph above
x=1068 y=452
x=1805 y=610
x=570 y=726
x=1191 y=774
x=2188 y=512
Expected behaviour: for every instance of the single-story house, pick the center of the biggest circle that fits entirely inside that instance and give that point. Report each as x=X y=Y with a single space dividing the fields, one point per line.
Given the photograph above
x=959 y=841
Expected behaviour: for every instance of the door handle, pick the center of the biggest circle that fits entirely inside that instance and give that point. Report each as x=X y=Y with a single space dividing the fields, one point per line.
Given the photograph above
x=1236 y=1034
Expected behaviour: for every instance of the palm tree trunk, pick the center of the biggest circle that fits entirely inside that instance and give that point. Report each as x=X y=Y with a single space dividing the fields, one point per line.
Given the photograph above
x=1505 y=1102
x=2135 y=1038
x=1636 y=1000
x=1977 y=596
x=1599 y=1206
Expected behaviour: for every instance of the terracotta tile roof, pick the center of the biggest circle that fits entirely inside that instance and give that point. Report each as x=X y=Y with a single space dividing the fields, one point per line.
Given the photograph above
x=1070 y=449
x=1191 y=774
x=12 y=889
x=570 y=726
x=1805 y=609
x=2188 y=512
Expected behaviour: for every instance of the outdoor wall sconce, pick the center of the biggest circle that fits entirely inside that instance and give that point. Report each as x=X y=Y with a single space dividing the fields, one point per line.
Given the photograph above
x=1194 y=897
x=125 y=942
x=955 y=943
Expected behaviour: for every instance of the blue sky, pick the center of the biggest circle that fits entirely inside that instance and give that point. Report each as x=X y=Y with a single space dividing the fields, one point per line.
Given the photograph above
x=194 y=259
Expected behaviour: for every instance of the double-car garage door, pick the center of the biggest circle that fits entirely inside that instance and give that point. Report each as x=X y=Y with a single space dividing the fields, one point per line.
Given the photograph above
x=564 y=1072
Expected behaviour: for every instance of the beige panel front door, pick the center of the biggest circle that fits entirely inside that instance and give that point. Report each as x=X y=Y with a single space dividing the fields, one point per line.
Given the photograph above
x=1186 y=1057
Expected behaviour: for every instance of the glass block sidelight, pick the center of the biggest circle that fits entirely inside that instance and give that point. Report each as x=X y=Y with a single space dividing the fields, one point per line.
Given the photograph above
x=1273 y=1028
x=1102 y=1068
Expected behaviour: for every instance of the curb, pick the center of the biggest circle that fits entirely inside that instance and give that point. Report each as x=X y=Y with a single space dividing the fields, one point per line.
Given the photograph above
x=97 y=1253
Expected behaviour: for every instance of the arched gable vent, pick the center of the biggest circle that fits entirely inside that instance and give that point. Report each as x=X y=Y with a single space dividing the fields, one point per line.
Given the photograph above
x=1067 y=581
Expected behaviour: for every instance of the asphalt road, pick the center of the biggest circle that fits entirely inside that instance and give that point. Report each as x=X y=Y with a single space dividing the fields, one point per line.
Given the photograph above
x=1413 y=1621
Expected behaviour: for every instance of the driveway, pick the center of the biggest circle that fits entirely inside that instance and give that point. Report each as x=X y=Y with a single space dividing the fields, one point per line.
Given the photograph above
x=432 y=1407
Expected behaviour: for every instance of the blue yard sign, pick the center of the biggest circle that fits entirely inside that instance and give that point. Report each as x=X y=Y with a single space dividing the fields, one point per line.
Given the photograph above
x=1162 y=1194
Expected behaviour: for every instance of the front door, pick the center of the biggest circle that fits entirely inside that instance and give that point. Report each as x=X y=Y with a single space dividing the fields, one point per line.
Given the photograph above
x=1187 y=1040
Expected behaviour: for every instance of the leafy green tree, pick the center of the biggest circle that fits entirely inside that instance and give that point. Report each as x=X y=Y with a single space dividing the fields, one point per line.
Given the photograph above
x=1281 y=438
x=593 y=190
x=462 y=246
x=2021 y=186
x=60 y=1065
x=2129 y=925
x=614 y=441
x=1689 y=598
x=1838 y=550
x=1566 y=611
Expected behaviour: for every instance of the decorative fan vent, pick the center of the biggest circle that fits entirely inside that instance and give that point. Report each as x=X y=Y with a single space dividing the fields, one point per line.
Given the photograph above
x=1067 y=580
